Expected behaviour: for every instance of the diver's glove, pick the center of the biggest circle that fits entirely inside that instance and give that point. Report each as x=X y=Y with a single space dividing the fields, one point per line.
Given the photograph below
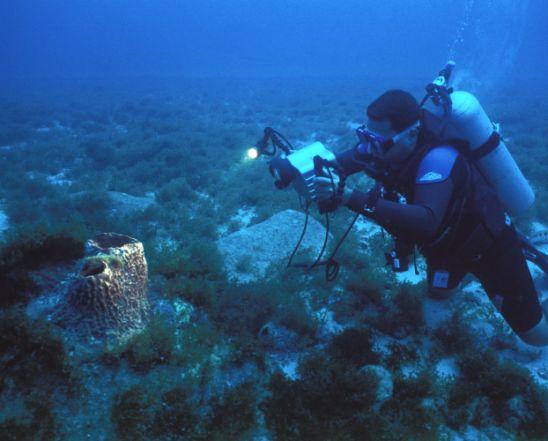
x=364 y=202
x=327 y=196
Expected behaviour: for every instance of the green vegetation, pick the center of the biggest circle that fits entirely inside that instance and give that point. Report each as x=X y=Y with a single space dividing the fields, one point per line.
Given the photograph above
x=354 y=347
x=483 y=393
x=329 y=401
x=401 y=354
x=412 y=405
x=153 y=346
x=131 y=415
x=192 y=272
x=185 y=144
x=142 y=413
x=27 y=251
x=453 y=336
x=404 y=314
x=38 y=422
x=35 y=367
x=32 y=354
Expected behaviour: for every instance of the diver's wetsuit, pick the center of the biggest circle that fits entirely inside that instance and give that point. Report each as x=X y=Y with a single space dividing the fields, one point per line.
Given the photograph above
x=457 y=222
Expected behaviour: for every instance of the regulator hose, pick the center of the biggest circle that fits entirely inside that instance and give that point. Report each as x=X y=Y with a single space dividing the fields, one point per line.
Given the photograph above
x=332 y=267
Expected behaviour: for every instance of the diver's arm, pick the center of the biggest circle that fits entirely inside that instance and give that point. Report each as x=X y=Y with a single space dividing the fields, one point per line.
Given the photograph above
x=347 y=160
x=352 y=161
x=440 y=173
x=418 y=221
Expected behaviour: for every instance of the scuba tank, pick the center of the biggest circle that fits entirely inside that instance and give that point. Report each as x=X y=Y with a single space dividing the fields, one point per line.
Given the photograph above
x=459 y=115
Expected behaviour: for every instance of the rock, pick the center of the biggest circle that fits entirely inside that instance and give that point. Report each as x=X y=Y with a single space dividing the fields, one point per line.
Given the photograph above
x=385 y=386
x=285 y=362
x=447 y=368
x=109 y=295
x=328 y=326
x=165 y=309
x=249 y=252
x=123 y=203
x=410 y=276
x=60 y=179
x=366 y=229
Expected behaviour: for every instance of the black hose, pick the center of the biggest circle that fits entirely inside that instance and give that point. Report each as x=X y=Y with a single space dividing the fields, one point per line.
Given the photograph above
x=324 y=246
x=332 y=267
x=302 y=235
x=286 y=148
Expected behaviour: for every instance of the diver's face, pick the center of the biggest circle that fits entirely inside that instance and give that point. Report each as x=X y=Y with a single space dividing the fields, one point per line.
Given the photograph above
x=401 y=150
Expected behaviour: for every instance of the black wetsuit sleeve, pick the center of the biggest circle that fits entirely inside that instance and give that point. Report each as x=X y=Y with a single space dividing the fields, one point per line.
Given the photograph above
x=352 y=162
x=349 y=162
x=418 y=221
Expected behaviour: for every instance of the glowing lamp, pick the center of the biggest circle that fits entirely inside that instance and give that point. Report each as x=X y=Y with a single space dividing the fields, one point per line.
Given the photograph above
x=253 y=153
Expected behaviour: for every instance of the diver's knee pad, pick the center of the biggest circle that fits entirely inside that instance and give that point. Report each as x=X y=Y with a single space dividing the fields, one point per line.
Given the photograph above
x=443 y=283
x=538 y=334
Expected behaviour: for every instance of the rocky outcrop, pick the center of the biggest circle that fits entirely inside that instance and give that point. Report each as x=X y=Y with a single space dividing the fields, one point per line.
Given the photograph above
x=249 y=252
x=123 y=203
x=109 y=293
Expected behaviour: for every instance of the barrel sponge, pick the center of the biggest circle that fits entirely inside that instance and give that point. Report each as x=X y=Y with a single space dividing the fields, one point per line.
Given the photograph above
x=109 y=295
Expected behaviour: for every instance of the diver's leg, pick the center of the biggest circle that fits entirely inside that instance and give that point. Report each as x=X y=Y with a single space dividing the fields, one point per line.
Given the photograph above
x=504 y=272
x=538 y=334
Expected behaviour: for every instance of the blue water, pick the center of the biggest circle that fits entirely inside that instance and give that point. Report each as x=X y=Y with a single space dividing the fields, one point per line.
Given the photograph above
x=491 y=38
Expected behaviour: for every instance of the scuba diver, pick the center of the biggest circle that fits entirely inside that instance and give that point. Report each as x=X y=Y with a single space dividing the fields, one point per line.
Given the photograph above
x=431 y=193
x=445 y=185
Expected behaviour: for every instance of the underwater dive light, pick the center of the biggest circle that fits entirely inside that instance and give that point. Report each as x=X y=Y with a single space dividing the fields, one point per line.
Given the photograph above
x=253 y=153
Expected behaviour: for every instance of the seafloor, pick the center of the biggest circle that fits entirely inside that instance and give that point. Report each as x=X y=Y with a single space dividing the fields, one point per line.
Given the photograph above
x=237 y=347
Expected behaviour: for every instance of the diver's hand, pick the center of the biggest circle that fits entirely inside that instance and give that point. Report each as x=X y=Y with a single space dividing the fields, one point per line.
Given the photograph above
x=325 y=189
